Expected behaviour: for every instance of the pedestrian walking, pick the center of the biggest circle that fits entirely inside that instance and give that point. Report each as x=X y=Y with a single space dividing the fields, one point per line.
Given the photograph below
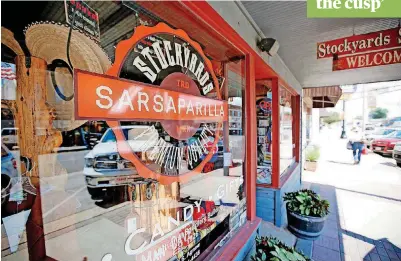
x=357 y=140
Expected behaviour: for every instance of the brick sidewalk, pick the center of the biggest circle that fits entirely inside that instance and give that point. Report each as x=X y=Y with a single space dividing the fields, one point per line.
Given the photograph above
x=365 y=205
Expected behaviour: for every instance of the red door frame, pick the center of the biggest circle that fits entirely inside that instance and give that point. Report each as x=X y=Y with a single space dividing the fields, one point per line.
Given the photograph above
x=251 y=130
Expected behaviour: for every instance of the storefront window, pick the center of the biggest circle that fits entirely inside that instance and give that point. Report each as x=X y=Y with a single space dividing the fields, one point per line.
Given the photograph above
x=145 y=163
x=286 y=133
x=264 y=133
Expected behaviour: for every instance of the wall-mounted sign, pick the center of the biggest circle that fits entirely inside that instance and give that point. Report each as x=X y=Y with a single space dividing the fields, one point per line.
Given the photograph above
x=264 y=104
x=360 y=43
x=371 y=59
x=168 y=81
x=86 y=19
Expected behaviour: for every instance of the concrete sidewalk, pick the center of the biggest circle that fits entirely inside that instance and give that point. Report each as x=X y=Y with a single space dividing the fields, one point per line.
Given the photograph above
x=365 y=218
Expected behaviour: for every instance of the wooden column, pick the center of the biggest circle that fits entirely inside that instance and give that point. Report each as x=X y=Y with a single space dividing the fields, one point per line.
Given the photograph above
x=251 y=132
x=296 y=125
x=34 y=118
x=275 y=133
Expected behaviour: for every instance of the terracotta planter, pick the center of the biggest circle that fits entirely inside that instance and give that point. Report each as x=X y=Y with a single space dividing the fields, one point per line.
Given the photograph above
x=310 y=165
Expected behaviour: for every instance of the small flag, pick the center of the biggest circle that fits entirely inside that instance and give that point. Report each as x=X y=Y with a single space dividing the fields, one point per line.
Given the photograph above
x=7 y=72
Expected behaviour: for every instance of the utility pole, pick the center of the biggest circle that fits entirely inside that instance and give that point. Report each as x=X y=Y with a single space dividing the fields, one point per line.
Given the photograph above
x=364 y=109
x=343 y=133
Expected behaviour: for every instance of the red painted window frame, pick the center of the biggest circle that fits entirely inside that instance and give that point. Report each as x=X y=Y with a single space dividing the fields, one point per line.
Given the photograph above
x=277 y=179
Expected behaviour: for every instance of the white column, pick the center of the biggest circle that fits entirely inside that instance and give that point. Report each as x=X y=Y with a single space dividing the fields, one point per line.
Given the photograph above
x=315 y=126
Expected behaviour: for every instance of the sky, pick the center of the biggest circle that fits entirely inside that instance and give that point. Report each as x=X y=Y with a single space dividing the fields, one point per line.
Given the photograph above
x=387 y=95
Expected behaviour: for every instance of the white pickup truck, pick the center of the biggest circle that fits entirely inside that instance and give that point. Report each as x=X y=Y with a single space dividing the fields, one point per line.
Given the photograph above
x=105 y=170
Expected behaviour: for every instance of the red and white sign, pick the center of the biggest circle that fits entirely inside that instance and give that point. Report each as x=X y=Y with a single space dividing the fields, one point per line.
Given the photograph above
x=371 y=59
x=174 y=85
x=380 y=40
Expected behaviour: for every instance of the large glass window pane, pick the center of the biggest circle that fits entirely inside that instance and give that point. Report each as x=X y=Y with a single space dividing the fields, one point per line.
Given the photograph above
x=94 y=199
x=264 y=132
x=286 y=138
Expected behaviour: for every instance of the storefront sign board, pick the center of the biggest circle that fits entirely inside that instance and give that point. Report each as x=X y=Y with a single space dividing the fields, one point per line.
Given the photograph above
x=380 y=40
x=371 y=59
x=86 y=19
x=115 y=99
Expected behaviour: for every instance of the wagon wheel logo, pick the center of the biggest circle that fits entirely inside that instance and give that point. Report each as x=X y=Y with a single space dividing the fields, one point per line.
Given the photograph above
x=147 y=84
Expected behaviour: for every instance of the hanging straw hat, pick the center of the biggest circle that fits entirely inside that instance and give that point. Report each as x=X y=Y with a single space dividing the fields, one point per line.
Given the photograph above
x=7 y=38
x=48 y=40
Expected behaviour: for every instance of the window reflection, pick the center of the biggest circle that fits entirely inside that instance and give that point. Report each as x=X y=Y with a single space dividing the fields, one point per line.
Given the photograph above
x=286 y=139
x=94 y=199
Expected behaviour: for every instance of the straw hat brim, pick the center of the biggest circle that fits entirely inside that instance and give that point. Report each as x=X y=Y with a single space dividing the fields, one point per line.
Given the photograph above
x=49 y=41
x=7 y=38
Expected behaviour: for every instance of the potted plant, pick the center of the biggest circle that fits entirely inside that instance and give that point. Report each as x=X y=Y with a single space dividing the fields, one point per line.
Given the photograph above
x=306 y=213
x=312 y=155
x=271 y=249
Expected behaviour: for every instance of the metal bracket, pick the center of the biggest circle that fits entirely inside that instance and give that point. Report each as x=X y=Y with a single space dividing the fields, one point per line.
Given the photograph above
x=28 y=62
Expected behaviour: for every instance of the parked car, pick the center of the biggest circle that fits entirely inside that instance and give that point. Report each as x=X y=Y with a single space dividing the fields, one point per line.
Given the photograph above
x=105 y=170
x=391 y=121
x=9 y=172
x=378 y=134
x=386 y=145
x=397 y=153
x=9 y=137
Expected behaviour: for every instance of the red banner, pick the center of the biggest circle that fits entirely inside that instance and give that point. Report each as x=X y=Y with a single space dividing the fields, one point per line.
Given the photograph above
x=360 y=43
x=378 y=58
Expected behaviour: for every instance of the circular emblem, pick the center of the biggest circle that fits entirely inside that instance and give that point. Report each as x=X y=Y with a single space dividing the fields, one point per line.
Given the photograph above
x=149 y=193
x=185 y=99
x=265 y=105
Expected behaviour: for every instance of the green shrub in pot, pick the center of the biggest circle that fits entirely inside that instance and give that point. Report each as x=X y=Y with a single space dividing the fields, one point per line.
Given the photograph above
x=306 y=213
x=271 y=249
x=312 y=154
x=307 y=203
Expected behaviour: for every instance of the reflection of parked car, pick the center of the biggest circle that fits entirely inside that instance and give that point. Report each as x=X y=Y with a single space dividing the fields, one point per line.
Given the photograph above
x=8 y=172
x=380 y=133
x=369 y=129
x=105 y=170
x=397 y=153
x=386 y=145
x=9 y=137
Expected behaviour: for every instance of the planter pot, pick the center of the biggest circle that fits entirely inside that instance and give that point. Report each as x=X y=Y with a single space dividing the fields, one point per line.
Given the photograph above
x=305 y=227
x=310 y=165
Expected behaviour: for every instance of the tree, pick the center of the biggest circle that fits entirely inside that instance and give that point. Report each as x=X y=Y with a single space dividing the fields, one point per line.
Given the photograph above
x=334 y=117
x=378 y=113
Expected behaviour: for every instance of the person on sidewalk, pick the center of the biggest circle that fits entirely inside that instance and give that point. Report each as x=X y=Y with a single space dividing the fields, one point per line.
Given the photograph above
x=357 y=141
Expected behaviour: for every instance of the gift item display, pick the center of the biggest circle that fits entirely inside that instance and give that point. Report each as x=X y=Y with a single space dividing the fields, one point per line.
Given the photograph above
x=264 y=124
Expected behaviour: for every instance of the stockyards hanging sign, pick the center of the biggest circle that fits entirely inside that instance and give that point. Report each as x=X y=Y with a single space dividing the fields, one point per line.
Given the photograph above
x=163 y=80
x=367 y=50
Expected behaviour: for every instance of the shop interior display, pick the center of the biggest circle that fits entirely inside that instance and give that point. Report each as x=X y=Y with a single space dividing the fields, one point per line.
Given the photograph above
x=264 y=124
